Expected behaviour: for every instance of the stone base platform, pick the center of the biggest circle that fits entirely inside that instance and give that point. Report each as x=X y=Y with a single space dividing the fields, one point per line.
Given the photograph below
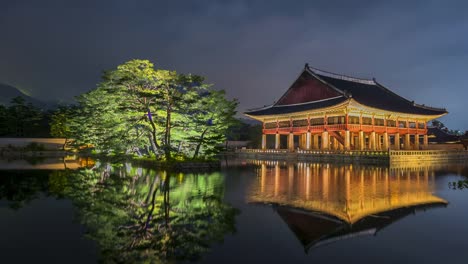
x=365 y=157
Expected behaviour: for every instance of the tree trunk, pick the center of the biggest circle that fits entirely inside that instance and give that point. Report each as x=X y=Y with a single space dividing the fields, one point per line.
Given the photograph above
x=153 y=145
x=167 y=136
x=197 y=149
x=64 y=144
x=152 y=138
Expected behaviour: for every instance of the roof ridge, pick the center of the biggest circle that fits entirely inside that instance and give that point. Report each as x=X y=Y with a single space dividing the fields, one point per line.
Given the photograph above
x=260 y=108
x=409 y=101
x=340 y=76
x=310 y=102
x=430 y=107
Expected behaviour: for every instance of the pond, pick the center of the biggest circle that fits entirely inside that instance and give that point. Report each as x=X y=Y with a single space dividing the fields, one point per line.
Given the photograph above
x=248 y=211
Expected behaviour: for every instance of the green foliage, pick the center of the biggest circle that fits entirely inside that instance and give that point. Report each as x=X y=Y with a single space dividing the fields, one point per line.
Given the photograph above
x=208 y=120
x=20 y=119
x=3 y=120
x=60 y=123
x=246 y=132
x=139 y=109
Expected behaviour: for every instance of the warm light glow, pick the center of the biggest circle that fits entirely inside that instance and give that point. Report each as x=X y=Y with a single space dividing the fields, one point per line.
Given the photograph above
x=348 y=193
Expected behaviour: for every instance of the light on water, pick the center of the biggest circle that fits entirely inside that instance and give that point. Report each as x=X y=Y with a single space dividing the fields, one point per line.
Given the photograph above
x=249 y=212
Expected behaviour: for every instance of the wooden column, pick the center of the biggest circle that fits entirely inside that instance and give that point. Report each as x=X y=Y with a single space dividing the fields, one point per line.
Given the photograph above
x=407 y=142
x=277 y=141
x=378 y=141
x=425 y=141
x=385 y=142
x=316 y=141
x=416 y=142
x=264 y=140
x=325 y=140
x=361 y=140
x=347 y=140
x=397 y=141
x=308 y=140
x=291 y=142
x=372 y=141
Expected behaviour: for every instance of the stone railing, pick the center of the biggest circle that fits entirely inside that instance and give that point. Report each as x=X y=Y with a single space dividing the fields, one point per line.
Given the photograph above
x=318 y=152
x=427 y=155
x=409 y=156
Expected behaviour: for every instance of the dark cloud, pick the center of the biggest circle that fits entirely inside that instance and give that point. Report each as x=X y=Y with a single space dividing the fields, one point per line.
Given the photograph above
x=252 y=49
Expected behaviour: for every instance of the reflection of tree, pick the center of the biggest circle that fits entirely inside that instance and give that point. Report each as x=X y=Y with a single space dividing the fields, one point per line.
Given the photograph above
x=137 y=215
x=19 y=188
x=461 y=184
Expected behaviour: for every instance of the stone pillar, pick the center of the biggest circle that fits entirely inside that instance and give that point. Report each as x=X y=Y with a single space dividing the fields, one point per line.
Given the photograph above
x=316 y=142
x=308 y=141
x=385 y=142
x=347 y=140
x=277 y=141
x=361 y=140
x=416 y=142
x=425 y=141
x=407 y=142
x=397 y=141
x=325 y=140
x=372 y=141
x=291 y=142
x=264 y=140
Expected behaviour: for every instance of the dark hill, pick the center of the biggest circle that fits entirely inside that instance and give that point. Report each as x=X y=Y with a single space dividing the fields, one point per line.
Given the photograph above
x=8 y=92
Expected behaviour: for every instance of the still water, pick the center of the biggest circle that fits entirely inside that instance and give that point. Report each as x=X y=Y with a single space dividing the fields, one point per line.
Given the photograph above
x=247 y=212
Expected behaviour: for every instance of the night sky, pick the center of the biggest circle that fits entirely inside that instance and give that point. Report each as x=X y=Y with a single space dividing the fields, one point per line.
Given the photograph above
x=252 y=49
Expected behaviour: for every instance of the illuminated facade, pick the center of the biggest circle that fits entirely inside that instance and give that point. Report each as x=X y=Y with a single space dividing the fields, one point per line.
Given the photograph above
x=326 y=111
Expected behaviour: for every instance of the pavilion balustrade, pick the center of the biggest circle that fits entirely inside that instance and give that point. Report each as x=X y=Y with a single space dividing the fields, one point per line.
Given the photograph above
x=336 y=133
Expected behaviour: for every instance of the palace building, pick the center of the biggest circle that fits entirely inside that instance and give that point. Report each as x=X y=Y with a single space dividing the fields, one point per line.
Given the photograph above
x=327 y=111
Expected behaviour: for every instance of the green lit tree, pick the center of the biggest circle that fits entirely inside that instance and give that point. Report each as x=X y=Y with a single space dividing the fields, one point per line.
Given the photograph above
x=139 y=107
x=208 y=120
x=60 y=123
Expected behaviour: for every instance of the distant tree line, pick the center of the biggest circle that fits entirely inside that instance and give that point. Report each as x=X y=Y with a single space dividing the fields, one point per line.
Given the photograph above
x=22 y=119
x=138 y=109
x=242 y=131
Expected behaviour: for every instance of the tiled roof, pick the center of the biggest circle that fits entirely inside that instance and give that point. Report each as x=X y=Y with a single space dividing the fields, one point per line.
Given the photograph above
x=286 y=109
x=366 y=92
x=372 y=94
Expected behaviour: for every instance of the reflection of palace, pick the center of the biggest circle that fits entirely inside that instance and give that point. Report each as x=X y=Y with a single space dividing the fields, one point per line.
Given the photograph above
x=322 y=202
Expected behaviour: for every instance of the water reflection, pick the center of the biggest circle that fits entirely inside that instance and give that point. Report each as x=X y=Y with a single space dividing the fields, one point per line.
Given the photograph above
x=42 y=163
x=134 y=214
x=323 y=203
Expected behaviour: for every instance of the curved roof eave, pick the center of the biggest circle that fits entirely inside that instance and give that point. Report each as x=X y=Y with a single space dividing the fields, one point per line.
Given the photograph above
x=303 y=108
x=356 y=103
